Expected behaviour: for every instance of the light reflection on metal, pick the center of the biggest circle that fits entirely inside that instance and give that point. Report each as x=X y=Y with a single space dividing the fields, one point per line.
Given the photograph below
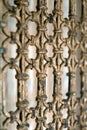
x=22 y=64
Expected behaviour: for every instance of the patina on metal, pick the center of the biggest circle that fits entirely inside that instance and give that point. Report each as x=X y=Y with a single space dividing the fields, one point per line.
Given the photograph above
x=22 y=63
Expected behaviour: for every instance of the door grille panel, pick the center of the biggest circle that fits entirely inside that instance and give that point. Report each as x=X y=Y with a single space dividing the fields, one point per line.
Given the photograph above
x=43 y=65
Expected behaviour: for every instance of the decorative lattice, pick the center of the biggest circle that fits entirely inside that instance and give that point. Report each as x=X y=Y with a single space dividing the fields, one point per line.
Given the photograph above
x=22 y=38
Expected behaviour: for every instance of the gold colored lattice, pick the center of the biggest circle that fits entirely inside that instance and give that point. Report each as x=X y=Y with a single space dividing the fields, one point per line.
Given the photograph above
x=22 y=64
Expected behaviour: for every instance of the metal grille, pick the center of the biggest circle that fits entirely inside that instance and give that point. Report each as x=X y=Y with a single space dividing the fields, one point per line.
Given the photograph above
x=49 y=26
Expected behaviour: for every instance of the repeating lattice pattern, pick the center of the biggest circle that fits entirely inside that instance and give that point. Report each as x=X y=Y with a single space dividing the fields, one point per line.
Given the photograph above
x=22 y=63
